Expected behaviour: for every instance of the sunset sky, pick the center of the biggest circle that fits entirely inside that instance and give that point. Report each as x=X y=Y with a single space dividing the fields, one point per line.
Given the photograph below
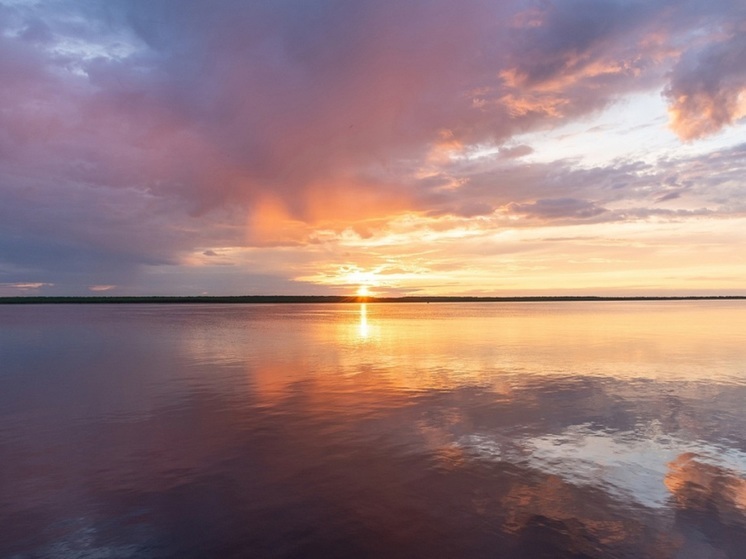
x=435 y=147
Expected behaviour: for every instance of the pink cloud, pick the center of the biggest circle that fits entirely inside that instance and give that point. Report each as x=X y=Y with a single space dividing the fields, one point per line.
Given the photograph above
x=708 y=87
x=98 y=288
x=27 y=285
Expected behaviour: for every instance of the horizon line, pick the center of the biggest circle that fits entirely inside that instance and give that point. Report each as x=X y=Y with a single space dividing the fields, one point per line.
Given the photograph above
x=259 y=299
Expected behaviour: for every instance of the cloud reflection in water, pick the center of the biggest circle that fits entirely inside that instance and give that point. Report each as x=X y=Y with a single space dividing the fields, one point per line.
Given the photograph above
x=574 y=430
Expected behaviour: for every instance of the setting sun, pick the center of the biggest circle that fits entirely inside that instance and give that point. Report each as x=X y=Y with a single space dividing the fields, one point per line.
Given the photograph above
x=363 y=291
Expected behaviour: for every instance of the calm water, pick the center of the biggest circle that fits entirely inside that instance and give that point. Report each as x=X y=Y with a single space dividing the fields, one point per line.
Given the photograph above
x=412 y=430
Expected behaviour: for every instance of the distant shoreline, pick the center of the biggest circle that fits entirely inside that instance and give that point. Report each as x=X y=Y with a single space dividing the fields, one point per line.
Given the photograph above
x=265 y=299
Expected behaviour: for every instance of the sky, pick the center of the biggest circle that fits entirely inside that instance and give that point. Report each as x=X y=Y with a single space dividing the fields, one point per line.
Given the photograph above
x=408 y=147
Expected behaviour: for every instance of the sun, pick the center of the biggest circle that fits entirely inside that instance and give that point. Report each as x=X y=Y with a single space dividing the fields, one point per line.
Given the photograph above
x=366 y=281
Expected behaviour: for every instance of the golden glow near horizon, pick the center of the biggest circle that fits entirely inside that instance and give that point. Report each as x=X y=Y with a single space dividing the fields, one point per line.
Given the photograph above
x=620 y=258
x=413 y=254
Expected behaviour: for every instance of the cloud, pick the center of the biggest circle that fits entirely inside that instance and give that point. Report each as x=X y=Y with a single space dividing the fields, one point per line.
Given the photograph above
x=557 y=209
x=514 y=152
x=708 y=86
x=223 y=105
x=145 y=135
x=25 y=286
x=98 y=288
x=668 y=196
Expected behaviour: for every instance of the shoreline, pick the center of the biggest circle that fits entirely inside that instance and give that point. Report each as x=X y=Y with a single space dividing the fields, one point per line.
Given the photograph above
x=288 y=299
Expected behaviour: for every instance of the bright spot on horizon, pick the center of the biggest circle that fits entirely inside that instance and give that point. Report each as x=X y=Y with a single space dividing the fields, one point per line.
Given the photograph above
x=363 y=291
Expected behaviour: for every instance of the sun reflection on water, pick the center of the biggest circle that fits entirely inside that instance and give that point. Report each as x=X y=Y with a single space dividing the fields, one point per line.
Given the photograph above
x=363 y=329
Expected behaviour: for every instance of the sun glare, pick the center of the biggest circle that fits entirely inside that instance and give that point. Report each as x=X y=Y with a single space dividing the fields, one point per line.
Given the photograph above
x=363 y=291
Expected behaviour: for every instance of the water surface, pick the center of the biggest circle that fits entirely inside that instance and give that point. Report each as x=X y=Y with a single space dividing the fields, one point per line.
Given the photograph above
x=567 y=429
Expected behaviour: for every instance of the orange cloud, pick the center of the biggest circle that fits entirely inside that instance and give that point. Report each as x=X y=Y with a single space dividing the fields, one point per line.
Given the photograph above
x=702 y=114
x=707 y=91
